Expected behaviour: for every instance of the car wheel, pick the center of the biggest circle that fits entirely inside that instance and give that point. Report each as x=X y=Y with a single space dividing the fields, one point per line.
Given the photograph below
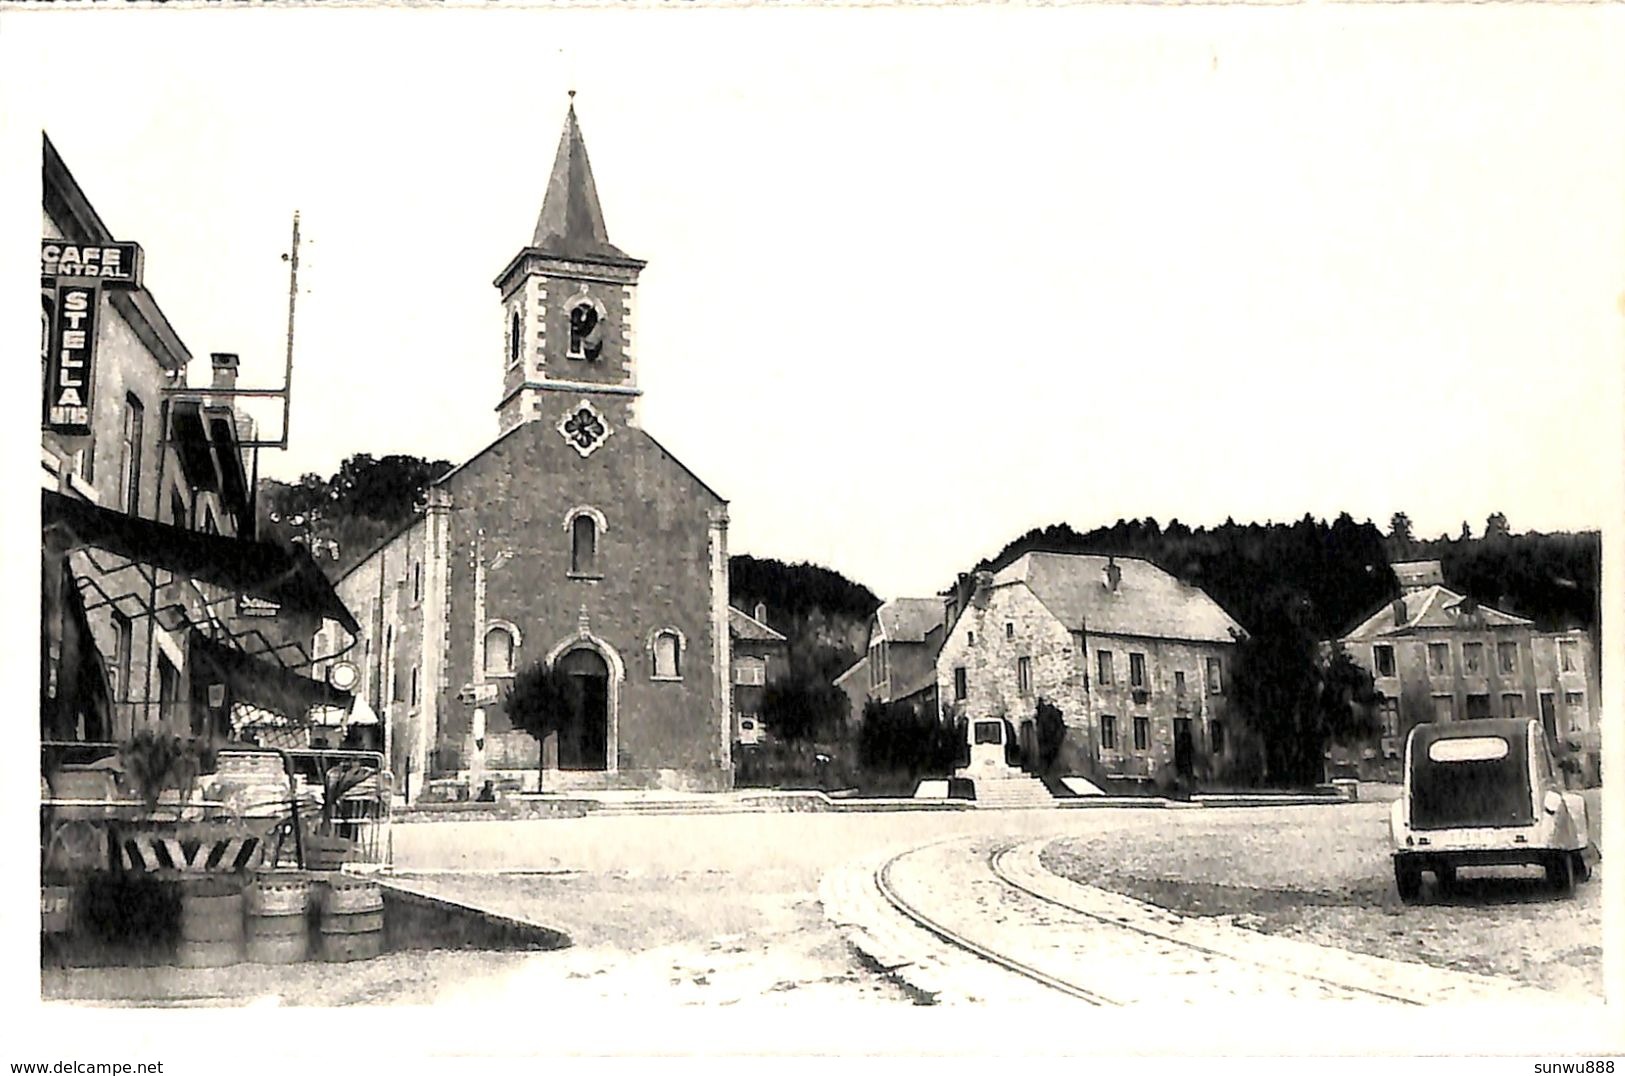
x=1445 y=875
x=1560 y=873
x=1408 y=880
x=1582 y=869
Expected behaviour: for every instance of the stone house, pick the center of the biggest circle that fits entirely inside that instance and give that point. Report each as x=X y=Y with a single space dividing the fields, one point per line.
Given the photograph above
x=575 y=539
x=1136 y=661
x=159 y=608
x=1437 y=655
x=759 y=656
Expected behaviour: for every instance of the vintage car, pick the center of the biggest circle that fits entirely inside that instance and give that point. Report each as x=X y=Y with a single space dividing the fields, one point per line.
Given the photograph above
x=1485 y=793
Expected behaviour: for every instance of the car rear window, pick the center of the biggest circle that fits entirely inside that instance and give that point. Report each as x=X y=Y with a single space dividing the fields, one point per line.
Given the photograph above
x=1470 y=749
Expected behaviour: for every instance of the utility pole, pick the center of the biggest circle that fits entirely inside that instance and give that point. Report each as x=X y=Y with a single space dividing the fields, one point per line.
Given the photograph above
x=293 y=295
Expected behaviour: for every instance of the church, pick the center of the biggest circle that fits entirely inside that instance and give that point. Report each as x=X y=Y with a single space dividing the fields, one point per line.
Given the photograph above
x=574 y=539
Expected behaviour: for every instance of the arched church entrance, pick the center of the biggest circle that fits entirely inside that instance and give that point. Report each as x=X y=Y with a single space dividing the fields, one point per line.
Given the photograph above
x=584 y=736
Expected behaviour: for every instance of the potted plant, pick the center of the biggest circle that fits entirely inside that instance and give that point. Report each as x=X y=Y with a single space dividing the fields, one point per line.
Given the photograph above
x=326 y=847
x=156 y=762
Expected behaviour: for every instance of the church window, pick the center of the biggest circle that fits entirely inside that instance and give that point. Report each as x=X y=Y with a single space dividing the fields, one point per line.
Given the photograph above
x=584 y=428
x=668 y=655
x=584 y=545
x=515 y=340
x=499 y=647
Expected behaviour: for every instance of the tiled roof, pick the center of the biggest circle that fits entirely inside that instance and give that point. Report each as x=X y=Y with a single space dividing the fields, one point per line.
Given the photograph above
x=861 y=665
x=1147 y=601
x=910 y=620
x=742 y=625
x=1433 y=607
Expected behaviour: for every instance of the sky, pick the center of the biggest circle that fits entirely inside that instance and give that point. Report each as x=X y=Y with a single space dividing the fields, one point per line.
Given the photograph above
x=918 y=280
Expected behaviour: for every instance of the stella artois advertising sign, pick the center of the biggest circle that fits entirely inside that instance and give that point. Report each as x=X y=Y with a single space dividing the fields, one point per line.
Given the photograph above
x=68 y=364
x=72 y=276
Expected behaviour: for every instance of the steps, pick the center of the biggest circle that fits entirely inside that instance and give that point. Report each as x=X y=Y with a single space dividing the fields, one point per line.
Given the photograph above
x=1012 y=791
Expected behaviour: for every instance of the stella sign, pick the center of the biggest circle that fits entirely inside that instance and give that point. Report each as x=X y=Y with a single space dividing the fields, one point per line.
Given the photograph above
x=72 y=276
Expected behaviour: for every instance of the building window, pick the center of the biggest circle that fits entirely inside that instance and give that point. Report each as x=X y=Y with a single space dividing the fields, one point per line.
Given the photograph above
x=1104 y=658
x=1136 y=671
x=169 y=690
x=1438 y=659
x=1142 y=733
x=1478 y=707
x=122 y=636
x=750 y=671
x=961 y=687
x=877 y=664
x=667 y=655
x=129 y=473
x=1388 y=712
x=388 y=691
x=499 y=652
x=1215 y=678
x=1024 y=675
x=417 y=583
x=1444 y=708
x=1009 y=631
x=1108 y=732
x=1511 y=705
x=87 y=459
x=1569 y=652
x=1382 y=658
x=1472 y=659
x=1179 y=684
x=515 y=340
x=416 y=692
x=584 y=545
x=1215 y=736
x=1506 y=655
x=1574 y=700
x=970 y=638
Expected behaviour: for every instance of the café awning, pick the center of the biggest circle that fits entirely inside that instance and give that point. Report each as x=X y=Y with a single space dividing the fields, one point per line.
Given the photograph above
x=261 y=684
x=288 y=578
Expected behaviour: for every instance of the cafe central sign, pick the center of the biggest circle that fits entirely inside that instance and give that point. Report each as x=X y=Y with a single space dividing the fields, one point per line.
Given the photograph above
x=72 y=276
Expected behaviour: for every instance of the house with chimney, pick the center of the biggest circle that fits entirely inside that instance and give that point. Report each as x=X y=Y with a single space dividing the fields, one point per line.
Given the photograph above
x=760 y=656
x=1137 y=661
x=1438 y=655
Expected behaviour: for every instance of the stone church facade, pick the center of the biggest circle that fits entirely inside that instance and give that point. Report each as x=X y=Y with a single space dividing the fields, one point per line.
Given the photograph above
x=574 y=539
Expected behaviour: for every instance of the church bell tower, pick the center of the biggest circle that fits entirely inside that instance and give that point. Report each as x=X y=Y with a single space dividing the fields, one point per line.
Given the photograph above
x=567 y=306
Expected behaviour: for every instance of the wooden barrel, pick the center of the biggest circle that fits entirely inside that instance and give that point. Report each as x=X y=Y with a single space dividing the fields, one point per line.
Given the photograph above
x=278 y=907
x=211 y=925
x=352 y=919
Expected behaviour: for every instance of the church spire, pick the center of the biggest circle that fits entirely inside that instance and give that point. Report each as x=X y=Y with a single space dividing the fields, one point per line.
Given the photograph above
x=572 y=223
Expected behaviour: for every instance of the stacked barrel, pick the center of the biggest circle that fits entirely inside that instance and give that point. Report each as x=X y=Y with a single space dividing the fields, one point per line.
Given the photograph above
x=351 y=924
x=211 y=925
x=278 y=908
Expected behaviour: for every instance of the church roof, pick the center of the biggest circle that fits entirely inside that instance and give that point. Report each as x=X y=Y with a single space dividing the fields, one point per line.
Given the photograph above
x=571 y=224
x=1146 y=602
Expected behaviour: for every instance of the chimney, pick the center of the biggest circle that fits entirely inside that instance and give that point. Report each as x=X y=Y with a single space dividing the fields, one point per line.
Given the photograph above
x=1111 y=576
x=983 y=584
x=761 y=612
x=1399 y=612
x=225 y=369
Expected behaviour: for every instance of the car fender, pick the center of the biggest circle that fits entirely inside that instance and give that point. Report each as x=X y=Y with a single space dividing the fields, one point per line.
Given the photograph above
x=1578 y=818
x=1396 y=822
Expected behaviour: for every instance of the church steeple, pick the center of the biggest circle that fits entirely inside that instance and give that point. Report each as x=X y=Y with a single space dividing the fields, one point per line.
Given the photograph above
x=567 y=302
x=571 y=224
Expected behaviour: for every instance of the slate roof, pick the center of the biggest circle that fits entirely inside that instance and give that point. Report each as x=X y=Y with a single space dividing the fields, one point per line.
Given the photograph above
x=1148 y=601
x=741 y=625
x=910 y=620
x=571 y=224
x=1433 y=607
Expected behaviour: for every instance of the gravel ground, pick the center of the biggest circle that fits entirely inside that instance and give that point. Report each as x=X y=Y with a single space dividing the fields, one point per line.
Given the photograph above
x=1325 y=877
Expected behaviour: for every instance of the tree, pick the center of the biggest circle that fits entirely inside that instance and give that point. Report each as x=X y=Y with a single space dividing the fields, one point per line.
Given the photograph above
x=540 y=701
x=1051 y=733
x=798 y=709
x=1297 y=696
x=1399 y=530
